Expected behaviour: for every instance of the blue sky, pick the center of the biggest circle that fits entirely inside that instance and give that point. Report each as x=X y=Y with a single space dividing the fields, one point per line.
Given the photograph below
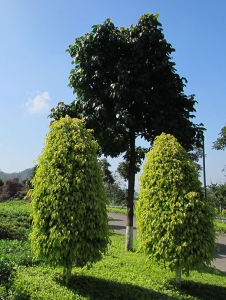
x=34 y=66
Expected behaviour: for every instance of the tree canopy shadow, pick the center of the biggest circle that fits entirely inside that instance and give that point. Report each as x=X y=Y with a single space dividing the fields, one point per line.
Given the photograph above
x=212 y=270
x=100 y=289
x=204 y=291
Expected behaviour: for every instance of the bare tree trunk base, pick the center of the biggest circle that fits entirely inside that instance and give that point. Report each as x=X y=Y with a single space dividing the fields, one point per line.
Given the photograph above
x=129 y=238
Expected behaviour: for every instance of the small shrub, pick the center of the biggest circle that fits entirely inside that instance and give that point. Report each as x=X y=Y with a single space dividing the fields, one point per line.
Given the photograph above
x=15 y=220
x=6 y=268
x=3 y=292
x=224 y=212
x=13 y=254
x=40 y=283
x=220 y=227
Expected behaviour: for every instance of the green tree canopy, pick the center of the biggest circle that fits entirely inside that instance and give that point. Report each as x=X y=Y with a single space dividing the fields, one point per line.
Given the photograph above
x=220 y=143
x=175 y=224
x=123 y=167
x=107 y=174
x=70 y=222
x=127 y=86
x=217 y=196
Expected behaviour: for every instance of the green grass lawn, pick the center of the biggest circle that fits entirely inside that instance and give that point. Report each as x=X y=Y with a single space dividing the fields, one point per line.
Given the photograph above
x=120 y=275
x=117 y=210
x=220 y=227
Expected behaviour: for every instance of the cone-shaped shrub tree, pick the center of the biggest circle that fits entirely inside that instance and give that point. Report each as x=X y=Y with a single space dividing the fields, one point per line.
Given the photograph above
x=70 y=222
x=175 y=224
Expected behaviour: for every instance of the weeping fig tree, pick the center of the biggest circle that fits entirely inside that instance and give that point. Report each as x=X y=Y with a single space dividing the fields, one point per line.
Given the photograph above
x=70 y=223
x=175 y=224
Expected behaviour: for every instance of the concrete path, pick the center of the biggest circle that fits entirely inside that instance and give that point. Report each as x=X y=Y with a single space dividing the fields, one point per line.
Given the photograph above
x=118 y=223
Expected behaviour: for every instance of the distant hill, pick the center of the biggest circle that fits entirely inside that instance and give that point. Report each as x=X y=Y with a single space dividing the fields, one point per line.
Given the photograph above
x=21 y=175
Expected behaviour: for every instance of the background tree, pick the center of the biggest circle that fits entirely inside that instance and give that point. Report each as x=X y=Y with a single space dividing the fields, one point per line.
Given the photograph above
x=1 y=182
x=105 y=165
x=195 y=155
x=217 y=196
x=127 y=86
x=12 y=189
x=175 y=224
x=70 y=222
x=114 y=191
x=220 y=143
x=123 y=167
x=117 y=192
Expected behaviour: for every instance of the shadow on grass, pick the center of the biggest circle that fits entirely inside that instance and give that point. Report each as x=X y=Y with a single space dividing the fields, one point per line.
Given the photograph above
x=212 y=270
x=100 y=289
x=204 y=291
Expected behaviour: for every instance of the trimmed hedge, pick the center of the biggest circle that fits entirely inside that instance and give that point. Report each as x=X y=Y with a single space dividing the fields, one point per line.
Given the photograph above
x=15 y=220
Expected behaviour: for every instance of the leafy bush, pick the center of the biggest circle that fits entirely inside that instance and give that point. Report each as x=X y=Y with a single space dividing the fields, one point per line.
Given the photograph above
x=40 y=283
x=13 y=254
x=6 y=268
x=216 y=194
x=68 y=199
x=175 y=224
x=3 y=292
x=224 y=212
x=220 y=227
x=15 y=220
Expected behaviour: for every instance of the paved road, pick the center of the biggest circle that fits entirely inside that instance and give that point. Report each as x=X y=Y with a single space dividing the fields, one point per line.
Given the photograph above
x=118 y=223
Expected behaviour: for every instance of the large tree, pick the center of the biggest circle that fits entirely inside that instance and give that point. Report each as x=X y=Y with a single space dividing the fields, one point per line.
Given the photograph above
x=175 y=223
x=127 y=87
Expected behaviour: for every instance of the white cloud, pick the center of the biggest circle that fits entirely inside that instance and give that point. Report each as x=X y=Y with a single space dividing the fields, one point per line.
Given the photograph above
x=38 y=104
x=1 y=145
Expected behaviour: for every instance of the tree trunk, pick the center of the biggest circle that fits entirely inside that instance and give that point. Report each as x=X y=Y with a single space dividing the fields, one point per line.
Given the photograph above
x=178 y=276
x=67 y=273
x=131 y=184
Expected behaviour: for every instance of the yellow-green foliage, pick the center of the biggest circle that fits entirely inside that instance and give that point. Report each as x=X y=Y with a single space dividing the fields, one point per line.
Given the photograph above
x=70 y=222
x=175 y=223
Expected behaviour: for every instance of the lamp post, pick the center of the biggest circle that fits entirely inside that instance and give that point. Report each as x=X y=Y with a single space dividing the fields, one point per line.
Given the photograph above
x=204 y=165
